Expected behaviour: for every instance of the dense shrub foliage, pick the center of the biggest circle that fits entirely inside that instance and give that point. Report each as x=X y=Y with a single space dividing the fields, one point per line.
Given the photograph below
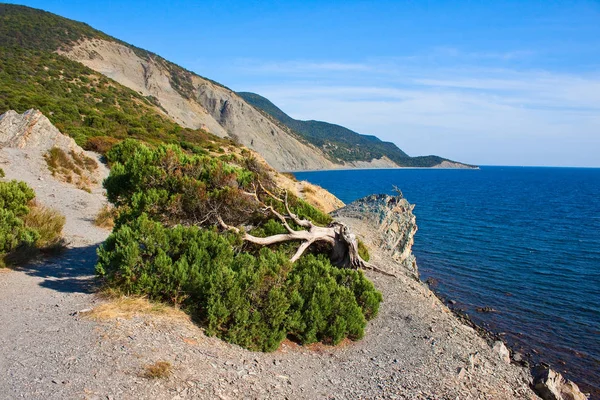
x=254 y=300
x=14 y=197
x=248 y=295
x=24 y=224
x=175 y=187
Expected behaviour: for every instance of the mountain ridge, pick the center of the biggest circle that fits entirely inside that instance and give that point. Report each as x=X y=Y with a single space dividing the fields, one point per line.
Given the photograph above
x=342 y=144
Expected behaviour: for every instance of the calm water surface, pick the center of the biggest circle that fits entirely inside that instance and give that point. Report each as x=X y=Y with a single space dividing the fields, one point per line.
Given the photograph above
x=524 y=241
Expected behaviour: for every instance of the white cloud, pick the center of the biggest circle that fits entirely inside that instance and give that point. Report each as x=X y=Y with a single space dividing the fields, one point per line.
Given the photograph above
x=472 y=114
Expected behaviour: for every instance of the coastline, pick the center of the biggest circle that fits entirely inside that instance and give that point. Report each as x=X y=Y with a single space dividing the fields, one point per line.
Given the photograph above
x=478 y=266
x=383 y=169
x=524 y=359
x=394 y=222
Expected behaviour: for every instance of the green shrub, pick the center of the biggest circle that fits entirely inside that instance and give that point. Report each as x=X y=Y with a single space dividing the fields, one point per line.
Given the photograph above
x=246 y=294
x=14 y=197
x=25 y=226
x=2 y=174
x=363 y=251
x=176 y=187
x=254 y=300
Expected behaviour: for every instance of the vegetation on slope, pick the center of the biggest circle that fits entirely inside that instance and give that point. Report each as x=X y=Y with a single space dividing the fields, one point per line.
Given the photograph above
x=339 y=143
x=164 y=246
x=37 y=30
x=85 y=105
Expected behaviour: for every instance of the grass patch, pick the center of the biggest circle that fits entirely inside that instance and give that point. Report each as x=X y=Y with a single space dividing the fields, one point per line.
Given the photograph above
x=127 y=307
x=290 y=176
x=363 y=251
x=49 y=224
x=158 y=370
x=83 y=161
x=105 y=217
x=75 y=168
x=306 y=189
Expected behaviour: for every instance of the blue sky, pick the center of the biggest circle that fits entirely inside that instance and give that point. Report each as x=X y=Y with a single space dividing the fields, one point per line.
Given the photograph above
x=484 y=82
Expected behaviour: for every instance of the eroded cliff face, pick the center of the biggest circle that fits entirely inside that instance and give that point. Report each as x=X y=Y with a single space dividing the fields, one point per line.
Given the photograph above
x=206 y=104
x=396 y=227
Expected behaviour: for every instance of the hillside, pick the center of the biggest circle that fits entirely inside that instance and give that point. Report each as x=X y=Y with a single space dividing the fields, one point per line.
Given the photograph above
x=131 y=92
x=341 y=144
x=122 y=86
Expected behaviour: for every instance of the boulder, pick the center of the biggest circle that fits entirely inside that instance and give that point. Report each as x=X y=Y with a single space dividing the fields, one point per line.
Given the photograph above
x=551 y=385
x=500 y=349
x=31 y=130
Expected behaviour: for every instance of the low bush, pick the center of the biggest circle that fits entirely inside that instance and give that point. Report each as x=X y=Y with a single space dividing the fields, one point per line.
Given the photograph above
x=14 y=198
x=2 y=174
x=254 y=300
x=25 y=226
x=165 y=246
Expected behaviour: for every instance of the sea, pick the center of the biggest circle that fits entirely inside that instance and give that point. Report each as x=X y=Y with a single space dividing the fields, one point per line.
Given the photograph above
x=524 y=241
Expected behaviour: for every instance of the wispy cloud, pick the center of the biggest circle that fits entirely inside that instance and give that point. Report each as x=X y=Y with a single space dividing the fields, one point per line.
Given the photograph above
x=301 y=67
x=472 y=113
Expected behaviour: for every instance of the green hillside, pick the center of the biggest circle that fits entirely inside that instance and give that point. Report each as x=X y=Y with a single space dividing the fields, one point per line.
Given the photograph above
x=339 y=143
x=79 y=101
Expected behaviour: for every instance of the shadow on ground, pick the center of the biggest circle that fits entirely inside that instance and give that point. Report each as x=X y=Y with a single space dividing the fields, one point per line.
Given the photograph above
x=71 y=271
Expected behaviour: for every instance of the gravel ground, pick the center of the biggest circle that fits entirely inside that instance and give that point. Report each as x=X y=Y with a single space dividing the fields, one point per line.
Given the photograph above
x=414 y=349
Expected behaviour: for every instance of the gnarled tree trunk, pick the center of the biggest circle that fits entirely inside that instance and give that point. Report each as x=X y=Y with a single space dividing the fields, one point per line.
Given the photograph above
x=344 y=245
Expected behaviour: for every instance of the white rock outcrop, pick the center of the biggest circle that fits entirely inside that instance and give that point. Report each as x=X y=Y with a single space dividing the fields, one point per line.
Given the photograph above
x=32 y=130
x=551 y=385
x=500 y=349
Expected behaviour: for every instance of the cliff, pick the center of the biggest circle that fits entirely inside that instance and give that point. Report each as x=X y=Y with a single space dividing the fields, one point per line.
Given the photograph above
x=396 y=227
x=205 y=105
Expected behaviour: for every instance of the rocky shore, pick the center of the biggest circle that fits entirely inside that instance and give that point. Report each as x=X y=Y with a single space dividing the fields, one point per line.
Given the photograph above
x=394 y=237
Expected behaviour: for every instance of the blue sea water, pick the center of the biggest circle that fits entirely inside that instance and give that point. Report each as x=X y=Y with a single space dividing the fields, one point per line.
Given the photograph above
x=522 y=240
